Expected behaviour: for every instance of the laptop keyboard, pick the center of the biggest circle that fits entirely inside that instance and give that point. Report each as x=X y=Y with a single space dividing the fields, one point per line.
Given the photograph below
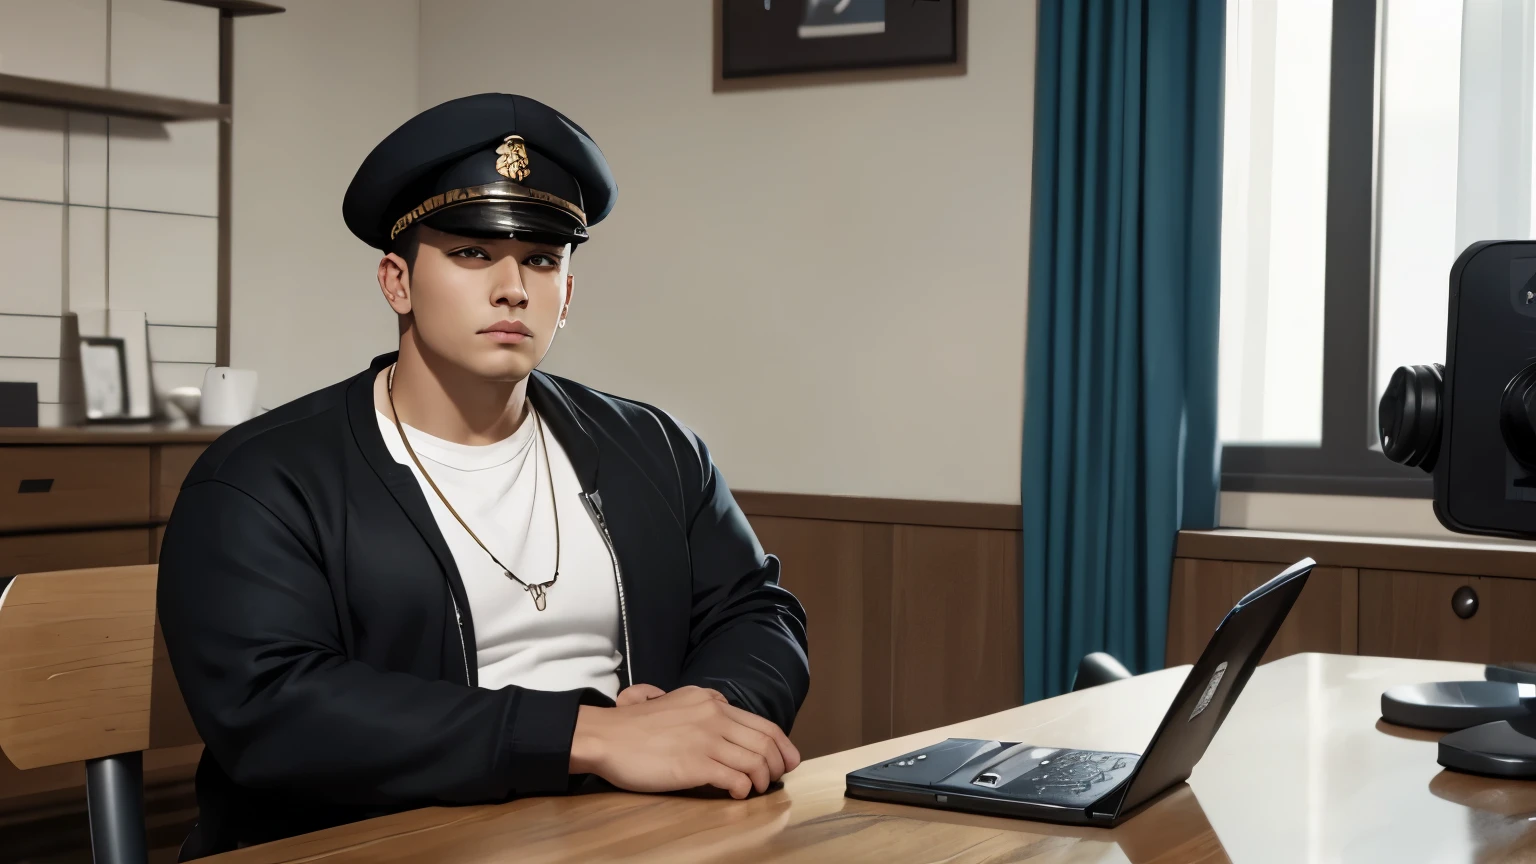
x=1008 y=770
x=1074 y=777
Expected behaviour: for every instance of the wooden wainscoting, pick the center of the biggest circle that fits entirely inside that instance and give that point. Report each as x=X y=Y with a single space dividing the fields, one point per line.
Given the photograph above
x=913 y=607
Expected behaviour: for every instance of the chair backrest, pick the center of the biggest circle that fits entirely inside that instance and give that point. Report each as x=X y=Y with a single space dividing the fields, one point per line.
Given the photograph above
x=83 y=671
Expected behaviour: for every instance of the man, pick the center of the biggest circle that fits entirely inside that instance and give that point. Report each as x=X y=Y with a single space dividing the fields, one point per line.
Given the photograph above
x=456 y=579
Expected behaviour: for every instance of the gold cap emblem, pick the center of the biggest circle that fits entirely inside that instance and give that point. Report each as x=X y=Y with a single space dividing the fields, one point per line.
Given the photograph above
x=512 y=159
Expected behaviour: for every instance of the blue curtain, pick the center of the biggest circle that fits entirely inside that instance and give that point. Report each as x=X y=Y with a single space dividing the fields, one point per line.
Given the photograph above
x=1120 y=446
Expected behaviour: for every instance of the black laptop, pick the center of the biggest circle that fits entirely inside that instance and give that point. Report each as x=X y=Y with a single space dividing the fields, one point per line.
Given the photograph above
x=1091 y=787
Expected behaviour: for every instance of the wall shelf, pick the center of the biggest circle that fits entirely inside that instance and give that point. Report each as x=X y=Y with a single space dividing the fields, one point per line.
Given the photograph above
x=236 y=8
x=100 y=100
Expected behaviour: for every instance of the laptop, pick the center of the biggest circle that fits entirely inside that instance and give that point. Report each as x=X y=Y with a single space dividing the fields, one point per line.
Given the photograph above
x=1091 y=787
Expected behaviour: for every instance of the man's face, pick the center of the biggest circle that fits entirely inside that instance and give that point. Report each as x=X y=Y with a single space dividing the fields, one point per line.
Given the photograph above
x=489 y=307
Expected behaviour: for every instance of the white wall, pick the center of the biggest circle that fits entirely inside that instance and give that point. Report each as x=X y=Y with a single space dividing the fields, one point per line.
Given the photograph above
x=315 y=89
x=1336 y=514
x=788 y=270
x=121 y=214
x=107 y=214
x=828 y=283
x=1331 y=514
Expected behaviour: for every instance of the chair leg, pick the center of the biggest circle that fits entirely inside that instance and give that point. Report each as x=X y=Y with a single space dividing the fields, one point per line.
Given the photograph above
x=114 y=791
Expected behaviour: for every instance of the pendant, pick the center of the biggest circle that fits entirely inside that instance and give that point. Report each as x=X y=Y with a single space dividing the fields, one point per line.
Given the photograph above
x=539 y=596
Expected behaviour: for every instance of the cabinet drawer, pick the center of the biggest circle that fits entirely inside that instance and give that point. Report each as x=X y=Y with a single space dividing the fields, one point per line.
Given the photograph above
x=1413 y=615
x=69 y=550
x=173 y=461
x=59 y=487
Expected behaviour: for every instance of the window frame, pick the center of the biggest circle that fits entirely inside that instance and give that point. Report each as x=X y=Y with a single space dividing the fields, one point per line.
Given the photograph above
x=1349 y=460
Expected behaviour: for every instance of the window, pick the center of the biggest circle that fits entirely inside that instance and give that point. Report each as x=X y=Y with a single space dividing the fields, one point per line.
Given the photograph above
x=1367 y=142
x=1416 y=240
x=1273 y=214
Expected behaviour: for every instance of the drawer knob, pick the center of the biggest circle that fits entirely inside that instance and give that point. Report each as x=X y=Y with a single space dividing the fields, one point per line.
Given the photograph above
x=36 y=485
x=1464 y=602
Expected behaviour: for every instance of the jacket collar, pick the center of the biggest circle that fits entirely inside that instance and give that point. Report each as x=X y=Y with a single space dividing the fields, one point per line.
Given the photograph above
x=402 y=486
x=365 y=427
x=564 y=420
x=549 y=398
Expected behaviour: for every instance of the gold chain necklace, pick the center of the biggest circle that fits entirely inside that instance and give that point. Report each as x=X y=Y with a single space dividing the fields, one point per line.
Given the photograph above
x=538 y=590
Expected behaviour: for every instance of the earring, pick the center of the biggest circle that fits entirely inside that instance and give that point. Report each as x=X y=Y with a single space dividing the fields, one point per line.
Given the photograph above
x=562 y=323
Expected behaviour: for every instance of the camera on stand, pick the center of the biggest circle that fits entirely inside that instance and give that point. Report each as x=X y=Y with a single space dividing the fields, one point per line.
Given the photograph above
x=1471 y=423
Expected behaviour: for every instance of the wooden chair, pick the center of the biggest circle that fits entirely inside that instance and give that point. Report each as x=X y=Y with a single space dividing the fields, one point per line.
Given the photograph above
x=84 y=678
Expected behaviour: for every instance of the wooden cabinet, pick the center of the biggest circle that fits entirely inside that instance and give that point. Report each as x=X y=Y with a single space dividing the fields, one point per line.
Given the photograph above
x=62 y=487
x=38 y=553
x=89 y=497
x=1374 y=596
x=1324 y=618
x=1407 y=614
x=171 y=464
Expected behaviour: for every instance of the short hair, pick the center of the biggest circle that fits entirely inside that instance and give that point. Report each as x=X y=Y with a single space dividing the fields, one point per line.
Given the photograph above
x=407 y=245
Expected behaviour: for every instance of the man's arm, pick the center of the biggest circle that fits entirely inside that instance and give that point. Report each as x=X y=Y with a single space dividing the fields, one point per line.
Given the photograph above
x=747 y=638
x=252 y=632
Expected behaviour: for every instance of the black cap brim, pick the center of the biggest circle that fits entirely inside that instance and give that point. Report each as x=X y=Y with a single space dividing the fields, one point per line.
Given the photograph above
x=532 y=222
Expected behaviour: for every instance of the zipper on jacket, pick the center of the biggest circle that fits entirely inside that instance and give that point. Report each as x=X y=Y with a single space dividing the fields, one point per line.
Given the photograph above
x=618 y=579
x=458 y=623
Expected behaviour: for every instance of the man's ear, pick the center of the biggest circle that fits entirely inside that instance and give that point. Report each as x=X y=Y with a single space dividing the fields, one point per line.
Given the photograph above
x=570 y=288
x=395 y=282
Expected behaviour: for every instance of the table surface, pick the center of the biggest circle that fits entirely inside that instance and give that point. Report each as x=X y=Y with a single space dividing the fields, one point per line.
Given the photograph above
x=1303 y=770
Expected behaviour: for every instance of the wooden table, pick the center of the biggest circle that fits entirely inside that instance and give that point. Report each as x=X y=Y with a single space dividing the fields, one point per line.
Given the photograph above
x=1302 y=771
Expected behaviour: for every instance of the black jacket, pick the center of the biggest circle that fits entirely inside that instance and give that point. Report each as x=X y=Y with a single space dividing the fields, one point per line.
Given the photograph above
x=322 y=639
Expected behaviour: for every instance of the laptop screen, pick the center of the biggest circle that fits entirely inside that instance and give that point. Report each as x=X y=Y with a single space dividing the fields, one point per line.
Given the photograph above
x=1214 y=684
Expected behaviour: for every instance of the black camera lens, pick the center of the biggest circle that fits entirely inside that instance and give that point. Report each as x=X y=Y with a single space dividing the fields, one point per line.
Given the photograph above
x=1408 y=416
x=1517 y=417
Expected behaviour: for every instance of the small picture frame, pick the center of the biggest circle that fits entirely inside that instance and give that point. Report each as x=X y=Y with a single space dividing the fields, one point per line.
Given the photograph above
x=104 y=376
x=789 y=42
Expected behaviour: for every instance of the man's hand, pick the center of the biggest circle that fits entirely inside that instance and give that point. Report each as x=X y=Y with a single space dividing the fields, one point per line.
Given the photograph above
x=639 y=694
x=688 y=738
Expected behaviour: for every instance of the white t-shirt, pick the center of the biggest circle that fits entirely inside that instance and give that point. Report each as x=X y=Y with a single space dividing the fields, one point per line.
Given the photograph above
x=504 y=494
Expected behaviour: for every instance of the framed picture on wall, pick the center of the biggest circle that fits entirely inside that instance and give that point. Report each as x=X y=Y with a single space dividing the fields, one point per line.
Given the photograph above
x=763 y=42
